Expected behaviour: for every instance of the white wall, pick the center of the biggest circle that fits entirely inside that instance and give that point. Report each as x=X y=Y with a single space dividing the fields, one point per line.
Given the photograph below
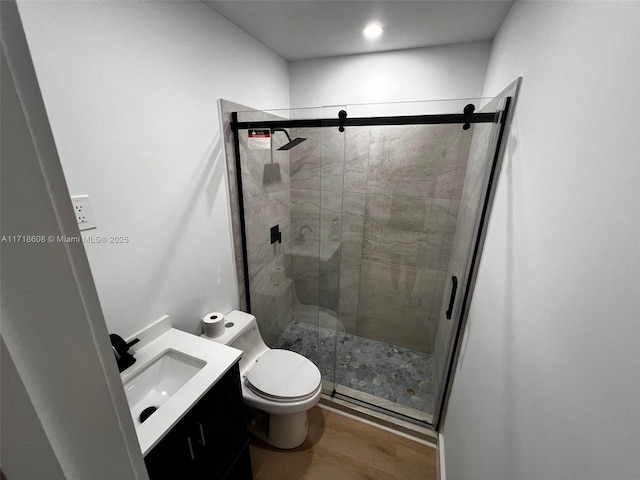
x=451 y=71
x=130 y=89
x=548 y=385
x=24 y=447
x=64 y=411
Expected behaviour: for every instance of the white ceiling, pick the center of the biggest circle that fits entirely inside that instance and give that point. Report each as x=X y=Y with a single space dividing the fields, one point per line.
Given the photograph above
x=303 y=29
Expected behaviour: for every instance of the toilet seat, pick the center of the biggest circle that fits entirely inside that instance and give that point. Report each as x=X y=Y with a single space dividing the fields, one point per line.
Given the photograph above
x=283 y=376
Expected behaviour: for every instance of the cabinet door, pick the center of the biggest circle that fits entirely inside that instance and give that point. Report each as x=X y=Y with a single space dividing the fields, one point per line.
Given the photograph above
x=219 y=424
x=173 y=457
x=210 y=441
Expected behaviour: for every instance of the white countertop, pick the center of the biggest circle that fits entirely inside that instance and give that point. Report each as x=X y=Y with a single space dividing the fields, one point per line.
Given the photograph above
x=219 y=359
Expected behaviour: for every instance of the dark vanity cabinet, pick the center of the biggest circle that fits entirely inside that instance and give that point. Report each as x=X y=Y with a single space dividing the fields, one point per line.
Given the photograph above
x=210 y=442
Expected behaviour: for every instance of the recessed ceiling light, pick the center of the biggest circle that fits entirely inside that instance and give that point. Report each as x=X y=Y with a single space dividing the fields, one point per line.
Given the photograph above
x=372 y=31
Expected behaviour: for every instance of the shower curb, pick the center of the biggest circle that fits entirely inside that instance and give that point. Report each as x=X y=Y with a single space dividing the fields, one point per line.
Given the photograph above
x=400 y=427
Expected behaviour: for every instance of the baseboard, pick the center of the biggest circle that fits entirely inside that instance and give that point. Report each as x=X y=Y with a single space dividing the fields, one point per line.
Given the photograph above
x=440 y=465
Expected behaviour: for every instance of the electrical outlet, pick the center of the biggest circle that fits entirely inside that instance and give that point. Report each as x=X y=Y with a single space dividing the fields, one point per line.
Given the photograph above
x=83 y=211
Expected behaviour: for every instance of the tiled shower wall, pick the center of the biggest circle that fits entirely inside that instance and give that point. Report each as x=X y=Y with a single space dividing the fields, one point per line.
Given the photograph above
x=367 y=219
x=266 y=189
x=316 y=213
x=386 y=228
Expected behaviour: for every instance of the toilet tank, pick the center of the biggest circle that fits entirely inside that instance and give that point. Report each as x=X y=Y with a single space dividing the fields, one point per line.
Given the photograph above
x=241 y=332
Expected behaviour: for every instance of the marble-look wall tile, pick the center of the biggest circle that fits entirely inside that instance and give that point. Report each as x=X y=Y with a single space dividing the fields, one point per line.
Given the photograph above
x=350 y=259
x=264 y=212
x=330 y=222
x=266 y=194
x=410 y=219
x=305 y=159
x=332 y=178
x=329 y=249
x=261 y=263
x=263 y=171
x=332 y=160
x=305 y=271
x=442 y=217
x=274 y=301
x=463 y=161
x=372 y=211
x=390 y=310
x=356 y=159
x=396 y=228
x=434 y=282
x=305 y=262
x=316 y=181
x=353 y=211
x=305 y=221
x=401 y=160
x=349 y=295
x=445 y=183
x=328 y=295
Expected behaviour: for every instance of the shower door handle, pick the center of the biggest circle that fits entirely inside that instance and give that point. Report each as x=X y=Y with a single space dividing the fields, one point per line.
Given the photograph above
x=452 y=298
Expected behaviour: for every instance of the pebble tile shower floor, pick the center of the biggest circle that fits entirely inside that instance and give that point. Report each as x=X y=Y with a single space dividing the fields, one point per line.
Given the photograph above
x=389 y=372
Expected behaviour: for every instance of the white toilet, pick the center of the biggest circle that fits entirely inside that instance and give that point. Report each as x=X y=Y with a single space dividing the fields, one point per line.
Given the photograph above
x=278 y=386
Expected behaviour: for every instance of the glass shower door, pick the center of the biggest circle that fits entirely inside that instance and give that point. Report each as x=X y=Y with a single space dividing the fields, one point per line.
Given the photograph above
x=316 y=182
x=330 y=254
x=410 y=201
x=475 y=207
x=375 y=221
x=402 y=189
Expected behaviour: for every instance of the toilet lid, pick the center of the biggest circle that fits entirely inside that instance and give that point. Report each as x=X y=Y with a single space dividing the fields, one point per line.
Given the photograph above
x=283 y=374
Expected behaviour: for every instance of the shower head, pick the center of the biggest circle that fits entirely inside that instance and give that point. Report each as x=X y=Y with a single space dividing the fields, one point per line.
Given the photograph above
x=292 y=143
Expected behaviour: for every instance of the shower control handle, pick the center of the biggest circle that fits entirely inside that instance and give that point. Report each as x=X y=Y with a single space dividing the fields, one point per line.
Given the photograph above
x=276 y=234
x=452 y=298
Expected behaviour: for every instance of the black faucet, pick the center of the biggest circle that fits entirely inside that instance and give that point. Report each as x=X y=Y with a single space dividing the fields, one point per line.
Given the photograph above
x=121 y=351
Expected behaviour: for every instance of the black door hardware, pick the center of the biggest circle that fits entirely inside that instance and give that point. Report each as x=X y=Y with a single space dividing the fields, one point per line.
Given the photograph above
x=452 y=298
x=276 y=234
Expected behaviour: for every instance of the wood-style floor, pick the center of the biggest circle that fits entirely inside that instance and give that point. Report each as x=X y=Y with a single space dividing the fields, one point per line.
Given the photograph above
x=338 y=448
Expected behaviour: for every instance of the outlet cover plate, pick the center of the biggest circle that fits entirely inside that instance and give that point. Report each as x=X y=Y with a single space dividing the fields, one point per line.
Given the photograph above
x=83 y=211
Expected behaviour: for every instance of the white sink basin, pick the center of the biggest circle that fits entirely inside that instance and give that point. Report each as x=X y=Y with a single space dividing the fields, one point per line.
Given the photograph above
x=160 y=378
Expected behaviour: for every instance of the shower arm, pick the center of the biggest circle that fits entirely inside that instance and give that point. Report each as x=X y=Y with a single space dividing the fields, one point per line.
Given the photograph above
x=273 y=130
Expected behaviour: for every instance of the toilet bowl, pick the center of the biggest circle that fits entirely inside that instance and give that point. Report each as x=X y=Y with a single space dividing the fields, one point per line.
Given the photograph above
x=278 y=386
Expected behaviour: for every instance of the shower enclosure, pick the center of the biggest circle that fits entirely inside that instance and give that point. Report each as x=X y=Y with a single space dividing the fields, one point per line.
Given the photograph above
x=357 y=230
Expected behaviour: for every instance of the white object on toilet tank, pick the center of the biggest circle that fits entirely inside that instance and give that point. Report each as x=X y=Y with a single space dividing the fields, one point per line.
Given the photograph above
x=213 y=324
x=241 y=332
x=235 y=324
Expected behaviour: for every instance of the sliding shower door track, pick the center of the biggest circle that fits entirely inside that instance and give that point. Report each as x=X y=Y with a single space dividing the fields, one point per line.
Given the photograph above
x=388 y=419
x=439 y=119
